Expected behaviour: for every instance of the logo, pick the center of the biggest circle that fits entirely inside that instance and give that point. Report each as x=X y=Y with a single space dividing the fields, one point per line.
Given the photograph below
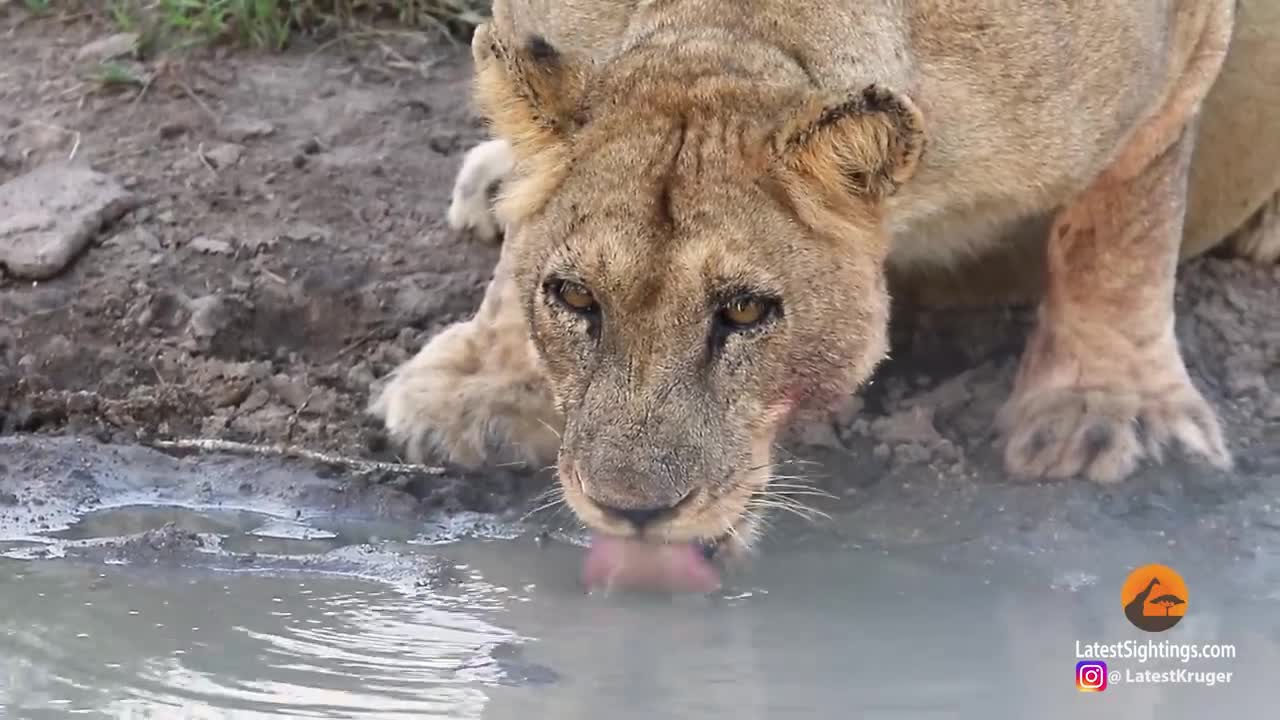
x=1154 y=598
x=1091 y=676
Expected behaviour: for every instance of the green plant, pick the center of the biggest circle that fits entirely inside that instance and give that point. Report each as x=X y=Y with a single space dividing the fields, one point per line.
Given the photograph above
x=116 y=75
x=272 y=24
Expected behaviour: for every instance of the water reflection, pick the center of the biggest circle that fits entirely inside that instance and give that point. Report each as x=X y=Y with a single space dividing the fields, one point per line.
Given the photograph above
x=867 y=635
x=810 y=632
x=126 y=643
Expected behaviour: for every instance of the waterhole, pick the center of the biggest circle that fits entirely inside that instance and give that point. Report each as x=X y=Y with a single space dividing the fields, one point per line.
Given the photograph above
x=145 y=611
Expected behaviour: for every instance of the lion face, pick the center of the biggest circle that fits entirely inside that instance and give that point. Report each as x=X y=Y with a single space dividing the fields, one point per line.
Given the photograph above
x=693 y=269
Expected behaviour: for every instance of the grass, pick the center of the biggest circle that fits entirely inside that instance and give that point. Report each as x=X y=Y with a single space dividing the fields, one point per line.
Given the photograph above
x=117 y=75
x=275 y=24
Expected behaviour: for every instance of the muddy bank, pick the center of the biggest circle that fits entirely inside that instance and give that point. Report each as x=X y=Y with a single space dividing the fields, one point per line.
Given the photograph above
x=285 y=244
x=48 y=483
x=275 y=245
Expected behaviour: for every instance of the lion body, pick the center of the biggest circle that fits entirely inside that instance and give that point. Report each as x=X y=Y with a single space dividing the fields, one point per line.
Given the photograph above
x=1023 y=111
x=810 y=152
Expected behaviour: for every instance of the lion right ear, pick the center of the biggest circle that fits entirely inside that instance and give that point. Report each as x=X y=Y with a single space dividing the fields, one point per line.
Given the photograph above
x=530 y=92
x=862 y=145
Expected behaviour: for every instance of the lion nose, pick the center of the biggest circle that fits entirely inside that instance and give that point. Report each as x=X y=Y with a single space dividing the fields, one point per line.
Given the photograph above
x=639 y=517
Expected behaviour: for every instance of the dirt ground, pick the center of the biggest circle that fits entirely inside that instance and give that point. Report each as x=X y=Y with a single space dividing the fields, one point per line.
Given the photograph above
x=286 y=249
x=288 y=245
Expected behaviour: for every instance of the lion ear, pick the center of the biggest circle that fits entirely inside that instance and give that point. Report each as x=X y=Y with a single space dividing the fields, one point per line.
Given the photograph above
x=529 y=93
x=864 y=145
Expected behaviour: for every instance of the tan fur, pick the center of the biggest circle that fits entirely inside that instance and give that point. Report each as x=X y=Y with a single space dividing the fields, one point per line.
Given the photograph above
x=666 y=155
x=475 y=392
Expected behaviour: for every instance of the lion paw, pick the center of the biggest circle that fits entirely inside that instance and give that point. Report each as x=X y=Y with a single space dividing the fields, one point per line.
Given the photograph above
x=472 y=398
x=1104 y=434
x=471 y=207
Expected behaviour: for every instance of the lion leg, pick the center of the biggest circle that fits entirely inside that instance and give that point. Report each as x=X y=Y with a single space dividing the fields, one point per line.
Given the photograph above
x=1102 y=383
x=476 y=392
x=478 y=181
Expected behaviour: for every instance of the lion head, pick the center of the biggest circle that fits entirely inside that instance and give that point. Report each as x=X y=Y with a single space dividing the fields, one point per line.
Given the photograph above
x=698 y=242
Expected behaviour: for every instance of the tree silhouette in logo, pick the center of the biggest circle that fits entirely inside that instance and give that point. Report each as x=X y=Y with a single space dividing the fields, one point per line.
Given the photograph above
x=1168 y=601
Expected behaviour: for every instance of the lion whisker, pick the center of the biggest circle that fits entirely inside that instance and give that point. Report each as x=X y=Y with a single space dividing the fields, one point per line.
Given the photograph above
x=796 y=508
x=554 y=489
x=557 y=503
x=554 y=431
x=802 y=492
x=784 y=496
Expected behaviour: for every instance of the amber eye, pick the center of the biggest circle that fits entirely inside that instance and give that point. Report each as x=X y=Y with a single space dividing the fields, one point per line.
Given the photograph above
x=743 y=312
x=575 y=296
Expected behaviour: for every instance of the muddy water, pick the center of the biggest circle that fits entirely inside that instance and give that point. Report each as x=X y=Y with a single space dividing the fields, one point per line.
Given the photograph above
x=154 y=612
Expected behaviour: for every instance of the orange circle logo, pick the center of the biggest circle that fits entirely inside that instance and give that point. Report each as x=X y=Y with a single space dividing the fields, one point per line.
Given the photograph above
x=1154 y=598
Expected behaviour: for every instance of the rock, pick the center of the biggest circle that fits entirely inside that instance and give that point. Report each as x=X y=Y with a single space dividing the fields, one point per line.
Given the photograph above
x=224 y=155
x=293 y=392
x=203 y=244
x=1272 y=410
x=914 y=425
x=910 y=454
x=815 y=431
x=139 y=236
x=49 y=215
x=323 y=401
x=947 y=396
x=108 y=48
x=241 y=129
x=258 y=399
x=304 y=231
x=408 y=339
x=230 y=394
x=58 y=348
x=209 y=315
x=173 y=129
x=260 y=242
x=82 y=402
x=360 y=377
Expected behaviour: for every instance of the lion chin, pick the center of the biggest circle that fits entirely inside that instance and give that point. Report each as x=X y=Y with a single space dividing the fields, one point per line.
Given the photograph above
x=687 y=551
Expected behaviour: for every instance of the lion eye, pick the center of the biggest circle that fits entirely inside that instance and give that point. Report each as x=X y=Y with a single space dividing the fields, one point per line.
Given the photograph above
x=743 y=312
x=575 y=296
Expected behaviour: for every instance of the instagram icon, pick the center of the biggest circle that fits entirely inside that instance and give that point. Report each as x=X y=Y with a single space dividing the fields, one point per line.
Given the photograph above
x=1091 y=676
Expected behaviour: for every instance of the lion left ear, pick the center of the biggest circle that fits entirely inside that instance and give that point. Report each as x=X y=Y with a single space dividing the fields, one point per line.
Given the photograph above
x=529 y=92
x=864 y=145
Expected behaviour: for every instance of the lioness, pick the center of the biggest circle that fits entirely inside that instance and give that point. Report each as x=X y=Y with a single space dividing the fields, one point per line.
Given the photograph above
x=702 y=199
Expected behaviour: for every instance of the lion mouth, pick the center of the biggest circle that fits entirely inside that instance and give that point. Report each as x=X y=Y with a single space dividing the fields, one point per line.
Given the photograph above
x=618 y=563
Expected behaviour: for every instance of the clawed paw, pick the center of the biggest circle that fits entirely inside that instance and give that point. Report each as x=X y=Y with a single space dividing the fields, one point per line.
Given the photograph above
x=1104 y=434
x=463 y=399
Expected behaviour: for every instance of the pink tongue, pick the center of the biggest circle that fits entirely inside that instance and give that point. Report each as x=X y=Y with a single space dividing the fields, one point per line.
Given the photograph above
x=615 y=563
